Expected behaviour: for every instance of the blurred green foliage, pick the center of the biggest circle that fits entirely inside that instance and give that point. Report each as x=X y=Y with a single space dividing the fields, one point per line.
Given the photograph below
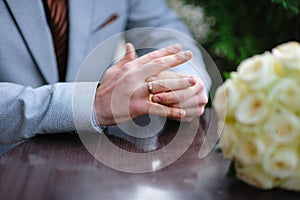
x=243 y=28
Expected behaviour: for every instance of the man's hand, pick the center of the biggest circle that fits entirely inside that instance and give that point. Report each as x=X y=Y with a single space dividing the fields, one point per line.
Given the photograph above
x=192 y=99
x=123 y=93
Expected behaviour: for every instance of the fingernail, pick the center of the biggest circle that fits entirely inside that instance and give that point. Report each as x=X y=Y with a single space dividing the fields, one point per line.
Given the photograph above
x=188 y=54
x=177 y=47
x=191 y=80
x=128 y=46
x=182 y=113
x=156 y=99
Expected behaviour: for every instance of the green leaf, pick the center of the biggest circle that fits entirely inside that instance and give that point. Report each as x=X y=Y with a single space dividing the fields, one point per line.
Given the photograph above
x=218 y=148
x=226 y=75
x=292 y=5
x=231 y=170
x=243 y=28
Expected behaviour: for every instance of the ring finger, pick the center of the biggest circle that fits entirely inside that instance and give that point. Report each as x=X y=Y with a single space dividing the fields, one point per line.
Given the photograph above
x=198 y=100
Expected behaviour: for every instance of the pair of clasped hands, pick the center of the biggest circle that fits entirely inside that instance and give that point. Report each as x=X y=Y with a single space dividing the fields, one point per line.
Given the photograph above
x=137 y=86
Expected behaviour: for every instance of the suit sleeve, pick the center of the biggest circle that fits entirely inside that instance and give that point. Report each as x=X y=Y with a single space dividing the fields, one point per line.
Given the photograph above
x=162 y=27
x=56 y=108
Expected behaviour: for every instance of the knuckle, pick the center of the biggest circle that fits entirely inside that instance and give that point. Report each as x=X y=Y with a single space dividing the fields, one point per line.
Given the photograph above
x=179 y=58
x=158 y=87
x=173 y=112
x=169 y=99
x=153 y=54
x=129 y=78
x=201 y=85
x=126 y=67
x=164 y=88
x=180 y=98
x=195 y=90
x=203 y=100
x=200 y=110
x=169 y=50
x=132 y=78
x=163 y=111
x=159 y=62
x=175 y=105
x=183 y=83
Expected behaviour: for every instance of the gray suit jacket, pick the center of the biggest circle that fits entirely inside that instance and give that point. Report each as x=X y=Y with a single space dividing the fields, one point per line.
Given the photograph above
x=31 y=99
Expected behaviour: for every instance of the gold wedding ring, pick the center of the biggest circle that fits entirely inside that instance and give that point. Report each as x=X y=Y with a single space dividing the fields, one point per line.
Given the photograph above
x=150 y=88
x=150 y=97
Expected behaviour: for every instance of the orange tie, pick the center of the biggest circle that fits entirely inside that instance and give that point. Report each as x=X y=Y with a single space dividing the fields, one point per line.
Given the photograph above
x=57 y=14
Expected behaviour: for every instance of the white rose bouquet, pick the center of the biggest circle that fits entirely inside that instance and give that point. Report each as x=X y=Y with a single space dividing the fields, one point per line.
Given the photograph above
x=259 y=114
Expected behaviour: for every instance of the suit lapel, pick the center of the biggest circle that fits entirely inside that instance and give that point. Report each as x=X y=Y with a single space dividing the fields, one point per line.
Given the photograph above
x=80 y=14
x=31 y=20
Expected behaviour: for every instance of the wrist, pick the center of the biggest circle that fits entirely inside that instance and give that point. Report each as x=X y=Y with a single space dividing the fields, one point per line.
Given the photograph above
x=97 y=125
x=101 y=128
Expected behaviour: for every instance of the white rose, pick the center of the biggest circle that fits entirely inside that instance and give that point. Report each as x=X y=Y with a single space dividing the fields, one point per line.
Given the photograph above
x=258 y=71
x=252 y=110
x=286 y=92
x=228 y=141
x=288 y=54
x=292 y=183
x=283 y=126
x=281 y=162
x=259 y=107
x=250 y=149
x=226 y=98
x=254 y=176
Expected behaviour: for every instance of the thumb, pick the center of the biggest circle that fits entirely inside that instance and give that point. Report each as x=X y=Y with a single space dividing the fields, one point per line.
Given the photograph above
x=130 y=54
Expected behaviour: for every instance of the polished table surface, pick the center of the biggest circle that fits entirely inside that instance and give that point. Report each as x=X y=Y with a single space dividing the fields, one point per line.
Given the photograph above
x=59 y=167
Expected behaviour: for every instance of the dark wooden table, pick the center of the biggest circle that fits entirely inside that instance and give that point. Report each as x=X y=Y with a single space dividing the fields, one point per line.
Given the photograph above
x=59 y=167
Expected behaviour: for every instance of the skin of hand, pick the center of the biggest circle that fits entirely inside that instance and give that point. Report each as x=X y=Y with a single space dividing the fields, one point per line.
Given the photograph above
x=192 y=99
x=123 y=93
